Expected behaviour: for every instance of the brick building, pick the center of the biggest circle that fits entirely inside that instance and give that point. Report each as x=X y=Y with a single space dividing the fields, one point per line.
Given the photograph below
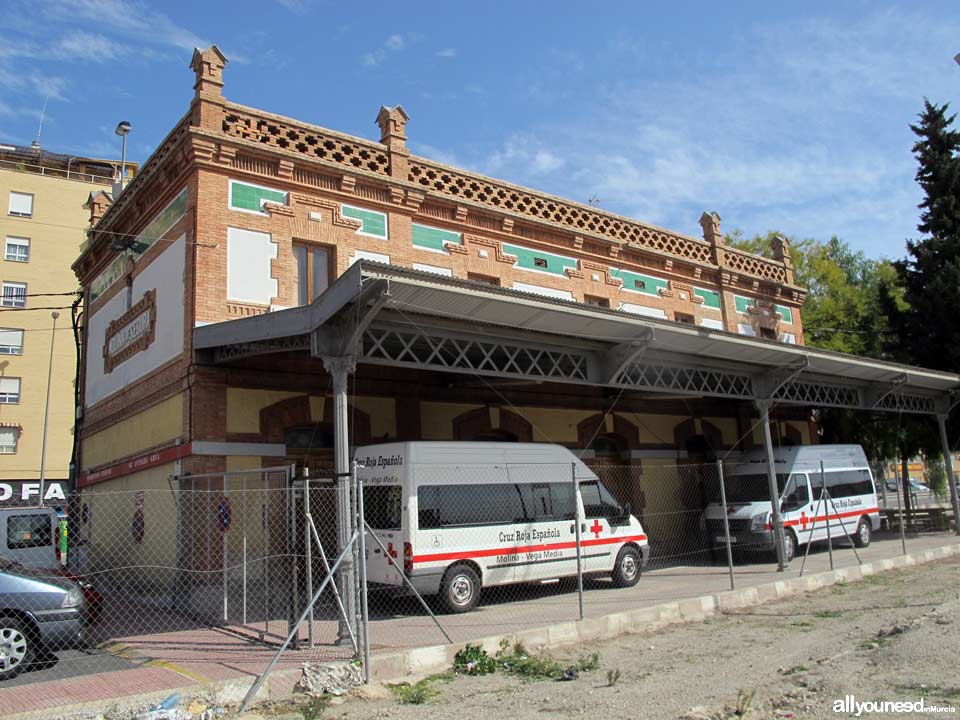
x=243 y=215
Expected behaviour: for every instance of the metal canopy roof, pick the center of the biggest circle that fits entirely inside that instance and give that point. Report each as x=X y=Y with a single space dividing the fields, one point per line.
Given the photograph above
x=401 y=317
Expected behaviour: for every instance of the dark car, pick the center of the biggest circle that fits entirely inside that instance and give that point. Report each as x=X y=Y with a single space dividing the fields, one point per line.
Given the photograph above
x=37 y=611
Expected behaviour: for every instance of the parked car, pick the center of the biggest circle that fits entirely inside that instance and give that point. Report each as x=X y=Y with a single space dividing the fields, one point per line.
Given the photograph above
x=37 y=612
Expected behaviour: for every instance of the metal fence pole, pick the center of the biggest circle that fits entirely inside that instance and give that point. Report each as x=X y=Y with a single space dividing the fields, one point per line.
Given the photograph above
x=244 y=591
x=255 y=688
x=951 y=477
x=224 y=553
x=826 y=494
x=308 y=550
x=576 y=525
x=903 y=536
x=726 y=521
x=364 y=608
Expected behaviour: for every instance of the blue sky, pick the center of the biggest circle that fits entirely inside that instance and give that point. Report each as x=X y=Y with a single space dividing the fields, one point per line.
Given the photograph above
x=778 y=116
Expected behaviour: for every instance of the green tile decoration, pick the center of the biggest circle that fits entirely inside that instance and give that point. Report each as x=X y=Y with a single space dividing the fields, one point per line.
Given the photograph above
x=244 y=196
x=786 y=312
x=711 y=298
x=549 y=263
x=742 y=303
x=651 y=285
x=374 y=223
x=433 y=238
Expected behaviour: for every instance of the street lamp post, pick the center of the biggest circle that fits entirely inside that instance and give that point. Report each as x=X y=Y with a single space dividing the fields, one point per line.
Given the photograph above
x=123 y=129
x=46 y=412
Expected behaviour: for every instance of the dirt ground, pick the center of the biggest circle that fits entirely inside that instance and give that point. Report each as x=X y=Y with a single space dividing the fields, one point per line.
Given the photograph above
x=895 y=636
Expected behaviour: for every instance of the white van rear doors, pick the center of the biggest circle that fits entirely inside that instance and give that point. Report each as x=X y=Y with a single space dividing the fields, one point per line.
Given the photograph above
x=383 y=510
x=27 y=536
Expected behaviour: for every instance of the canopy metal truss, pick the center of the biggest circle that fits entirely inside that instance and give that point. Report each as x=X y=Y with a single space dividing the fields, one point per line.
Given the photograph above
x=384 y=315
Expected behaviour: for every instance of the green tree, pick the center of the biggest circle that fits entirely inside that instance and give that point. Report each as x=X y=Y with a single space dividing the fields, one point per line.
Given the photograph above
x=928 y=327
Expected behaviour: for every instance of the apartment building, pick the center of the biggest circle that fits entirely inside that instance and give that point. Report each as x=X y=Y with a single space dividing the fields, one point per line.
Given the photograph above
x=42 y=226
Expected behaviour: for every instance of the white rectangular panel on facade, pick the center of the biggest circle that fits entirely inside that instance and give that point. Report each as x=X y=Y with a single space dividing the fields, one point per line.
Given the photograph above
x=372 y=256
x=545 y=291
x=644 y=310
x=249 y=266
x=711 y=323
x=433 y=269
x=746 y=329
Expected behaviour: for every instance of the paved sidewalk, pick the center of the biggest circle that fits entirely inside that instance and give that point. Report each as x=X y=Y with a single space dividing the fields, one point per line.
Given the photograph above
x=191 y=660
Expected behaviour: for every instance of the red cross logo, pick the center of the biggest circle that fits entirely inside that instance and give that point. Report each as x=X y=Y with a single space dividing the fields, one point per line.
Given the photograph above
x=596 y=528
x=391 y=551
x=803 y=520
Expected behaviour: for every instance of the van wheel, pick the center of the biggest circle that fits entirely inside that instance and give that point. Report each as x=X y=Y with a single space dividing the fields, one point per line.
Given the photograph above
x=16 y=647
x=789 y=546
x=460 y=589
x=864 y=532
x=626 y=571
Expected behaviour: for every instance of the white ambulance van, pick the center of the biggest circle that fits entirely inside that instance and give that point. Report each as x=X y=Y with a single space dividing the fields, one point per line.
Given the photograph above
x=461 y=516
x=854 y=509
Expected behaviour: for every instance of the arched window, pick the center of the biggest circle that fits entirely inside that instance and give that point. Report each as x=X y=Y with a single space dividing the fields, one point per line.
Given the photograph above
x=307 y=438
x=494 y=436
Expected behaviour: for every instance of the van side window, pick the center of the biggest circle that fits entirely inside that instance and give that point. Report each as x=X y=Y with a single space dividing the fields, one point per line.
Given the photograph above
x=548 y=501
x=597 y=500
x=28 y=531
x=845 y=483
x=465 y=505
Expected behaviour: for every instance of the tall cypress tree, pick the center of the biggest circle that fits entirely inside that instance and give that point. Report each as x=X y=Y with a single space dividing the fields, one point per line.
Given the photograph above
x=930 y=329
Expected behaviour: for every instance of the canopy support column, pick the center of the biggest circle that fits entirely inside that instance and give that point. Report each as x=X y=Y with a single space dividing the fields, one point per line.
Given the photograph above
x=776 y=520
x=948 y=464
x=340 y=368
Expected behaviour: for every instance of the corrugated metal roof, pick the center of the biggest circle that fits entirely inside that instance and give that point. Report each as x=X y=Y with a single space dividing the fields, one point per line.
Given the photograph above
x=419 y=293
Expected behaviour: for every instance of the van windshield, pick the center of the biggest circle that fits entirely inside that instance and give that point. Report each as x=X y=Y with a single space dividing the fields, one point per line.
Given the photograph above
x=751 y=487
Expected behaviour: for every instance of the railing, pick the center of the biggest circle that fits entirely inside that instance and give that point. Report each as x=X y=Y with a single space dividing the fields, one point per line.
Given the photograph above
x=58 y=172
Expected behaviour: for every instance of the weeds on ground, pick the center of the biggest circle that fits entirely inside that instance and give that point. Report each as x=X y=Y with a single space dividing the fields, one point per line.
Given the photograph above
x=314 y=707
x=795 y=669
x=804 y=625
x=519 y=662
x=416 y=694
x=612 y=677
x=824 y=614
x=938 y=692
x=875 y=579
x=586 y=663
x=744 y=700
x=473 y=660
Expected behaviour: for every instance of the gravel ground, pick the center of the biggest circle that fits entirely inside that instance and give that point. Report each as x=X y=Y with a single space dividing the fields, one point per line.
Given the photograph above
x=893 y=637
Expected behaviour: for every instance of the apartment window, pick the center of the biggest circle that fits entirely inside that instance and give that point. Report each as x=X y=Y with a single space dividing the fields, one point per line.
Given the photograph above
x=14 y=295
x=21 y=204
x=485 y=279
x=684 y=318
x=9 y=440
x=596 y=301
x=768 y=333
x=313 y=272
x=9 y=391
x=17 y=249
x=11 y=341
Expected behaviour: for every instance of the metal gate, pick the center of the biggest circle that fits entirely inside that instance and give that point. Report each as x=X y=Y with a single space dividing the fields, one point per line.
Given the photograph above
x=236 y=553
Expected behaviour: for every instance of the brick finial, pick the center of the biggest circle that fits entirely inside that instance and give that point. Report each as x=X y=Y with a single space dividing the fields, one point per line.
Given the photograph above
x=393 y=127
x=208 y=66
x=781 y=253
x=711 y=228
x=97 y=203
x=393 y=134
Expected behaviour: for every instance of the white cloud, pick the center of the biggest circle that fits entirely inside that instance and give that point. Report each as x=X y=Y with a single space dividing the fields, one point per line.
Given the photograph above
x=394 y=43
x=447 y=53
x=91 y=47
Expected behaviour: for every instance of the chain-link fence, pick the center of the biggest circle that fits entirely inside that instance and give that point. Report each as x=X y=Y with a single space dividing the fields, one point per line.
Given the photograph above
x=214 y=574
